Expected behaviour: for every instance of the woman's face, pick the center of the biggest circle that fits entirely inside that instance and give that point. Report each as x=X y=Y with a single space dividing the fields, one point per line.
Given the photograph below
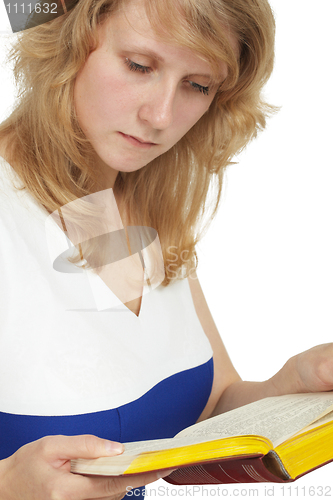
x=135 y=97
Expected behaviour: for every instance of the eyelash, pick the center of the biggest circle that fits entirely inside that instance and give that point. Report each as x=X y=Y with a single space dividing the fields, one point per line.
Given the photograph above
x=145 y=70
x=200 y=88
x=137 y=67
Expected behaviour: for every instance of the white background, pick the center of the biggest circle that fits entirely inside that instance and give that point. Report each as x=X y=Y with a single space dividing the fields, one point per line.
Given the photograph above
x=266 y=264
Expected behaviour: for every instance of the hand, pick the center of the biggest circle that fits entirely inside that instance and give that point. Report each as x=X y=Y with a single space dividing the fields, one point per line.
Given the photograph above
x=41 y=471
x=309 y=371
x=314 y=368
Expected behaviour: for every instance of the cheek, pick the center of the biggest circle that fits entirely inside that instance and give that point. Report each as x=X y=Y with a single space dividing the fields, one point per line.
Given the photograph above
x=100 y=94
x=189 y=115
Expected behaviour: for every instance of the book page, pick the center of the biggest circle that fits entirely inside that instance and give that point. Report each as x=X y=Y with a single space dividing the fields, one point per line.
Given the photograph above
x=276 y=418
x=328 y=417
x=135 y=448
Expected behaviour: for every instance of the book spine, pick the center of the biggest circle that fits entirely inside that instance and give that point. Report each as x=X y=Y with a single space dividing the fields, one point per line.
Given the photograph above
x=234 y=470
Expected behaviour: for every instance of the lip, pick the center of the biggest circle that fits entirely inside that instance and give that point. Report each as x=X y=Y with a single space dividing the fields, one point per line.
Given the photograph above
x=137 y=141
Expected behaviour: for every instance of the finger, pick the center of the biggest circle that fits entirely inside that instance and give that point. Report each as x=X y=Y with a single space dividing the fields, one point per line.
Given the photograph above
x=122 y=483
x=114 y=497
x=83 y=446
x=106 y=487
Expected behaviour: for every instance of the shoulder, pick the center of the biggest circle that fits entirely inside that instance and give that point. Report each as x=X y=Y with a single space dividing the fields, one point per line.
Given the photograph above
x=14 y=203
x=9 y=182
x=8 y=177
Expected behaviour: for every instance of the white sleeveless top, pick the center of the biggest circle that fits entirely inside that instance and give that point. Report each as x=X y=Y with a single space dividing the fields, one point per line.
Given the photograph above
x=59 y=354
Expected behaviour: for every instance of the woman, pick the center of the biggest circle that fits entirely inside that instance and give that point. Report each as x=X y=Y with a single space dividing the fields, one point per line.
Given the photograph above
x=156 y=122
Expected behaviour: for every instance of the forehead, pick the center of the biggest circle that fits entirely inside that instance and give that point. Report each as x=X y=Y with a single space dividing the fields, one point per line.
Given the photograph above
x=160 y=24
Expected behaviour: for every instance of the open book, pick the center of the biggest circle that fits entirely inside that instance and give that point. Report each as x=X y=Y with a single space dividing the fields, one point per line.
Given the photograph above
x=275 y=439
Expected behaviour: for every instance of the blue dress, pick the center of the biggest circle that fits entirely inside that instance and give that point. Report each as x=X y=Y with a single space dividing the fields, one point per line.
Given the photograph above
x=68 y=367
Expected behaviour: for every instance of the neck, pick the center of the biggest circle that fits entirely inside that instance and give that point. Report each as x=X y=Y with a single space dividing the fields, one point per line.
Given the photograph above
x=107 y=174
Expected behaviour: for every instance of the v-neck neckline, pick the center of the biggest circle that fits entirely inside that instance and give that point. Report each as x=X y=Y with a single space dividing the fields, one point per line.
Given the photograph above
x=41 y=211
x=140 y=306
x=106 y=299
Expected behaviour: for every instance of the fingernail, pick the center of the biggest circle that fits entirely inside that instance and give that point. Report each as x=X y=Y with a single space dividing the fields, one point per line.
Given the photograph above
x=113 y=447
x=164 y=473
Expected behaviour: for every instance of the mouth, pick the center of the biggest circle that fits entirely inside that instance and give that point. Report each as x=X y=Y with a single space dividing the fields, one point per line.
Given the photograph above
x=137 y=141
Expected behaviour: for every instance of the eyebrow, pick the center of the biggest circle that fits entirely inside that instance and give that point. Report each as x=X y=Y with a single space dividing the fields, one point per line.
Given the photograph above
x=150 y=53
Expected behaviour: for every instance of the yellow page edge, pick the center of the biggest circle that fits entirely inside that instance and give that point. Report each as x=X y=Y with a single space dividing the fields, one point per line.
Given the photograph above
x=311 y=448
x=207 y=451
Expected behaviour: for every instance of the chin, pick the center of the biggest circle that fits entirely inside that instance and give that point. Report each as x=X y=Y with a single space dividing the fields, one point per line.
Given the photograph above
x=125 y=166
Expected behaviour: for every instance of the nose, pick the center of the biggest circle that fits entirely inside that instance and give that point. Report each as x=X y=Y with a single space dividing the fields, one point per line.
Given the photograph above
x=159 y=105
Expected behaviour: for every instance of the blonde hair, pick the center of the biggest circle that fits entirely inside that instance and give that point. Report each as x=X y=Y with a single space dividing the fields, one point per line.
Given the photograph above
x=51 y=155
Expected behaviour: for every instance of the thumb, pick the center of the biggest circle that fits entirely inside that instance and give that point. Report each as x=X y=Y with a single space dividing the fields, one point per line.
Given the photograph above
x=83 y=446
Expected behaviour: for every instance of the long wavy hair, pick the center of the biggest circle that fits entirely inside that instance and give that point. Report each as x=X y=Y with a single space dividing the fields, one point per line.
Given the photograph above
x=178 y=193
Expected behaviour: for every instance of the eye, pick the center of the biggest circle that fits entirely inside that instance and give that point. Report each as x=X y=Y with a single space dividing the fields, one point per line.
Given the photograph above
x=137 y=67
x=199 y=88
